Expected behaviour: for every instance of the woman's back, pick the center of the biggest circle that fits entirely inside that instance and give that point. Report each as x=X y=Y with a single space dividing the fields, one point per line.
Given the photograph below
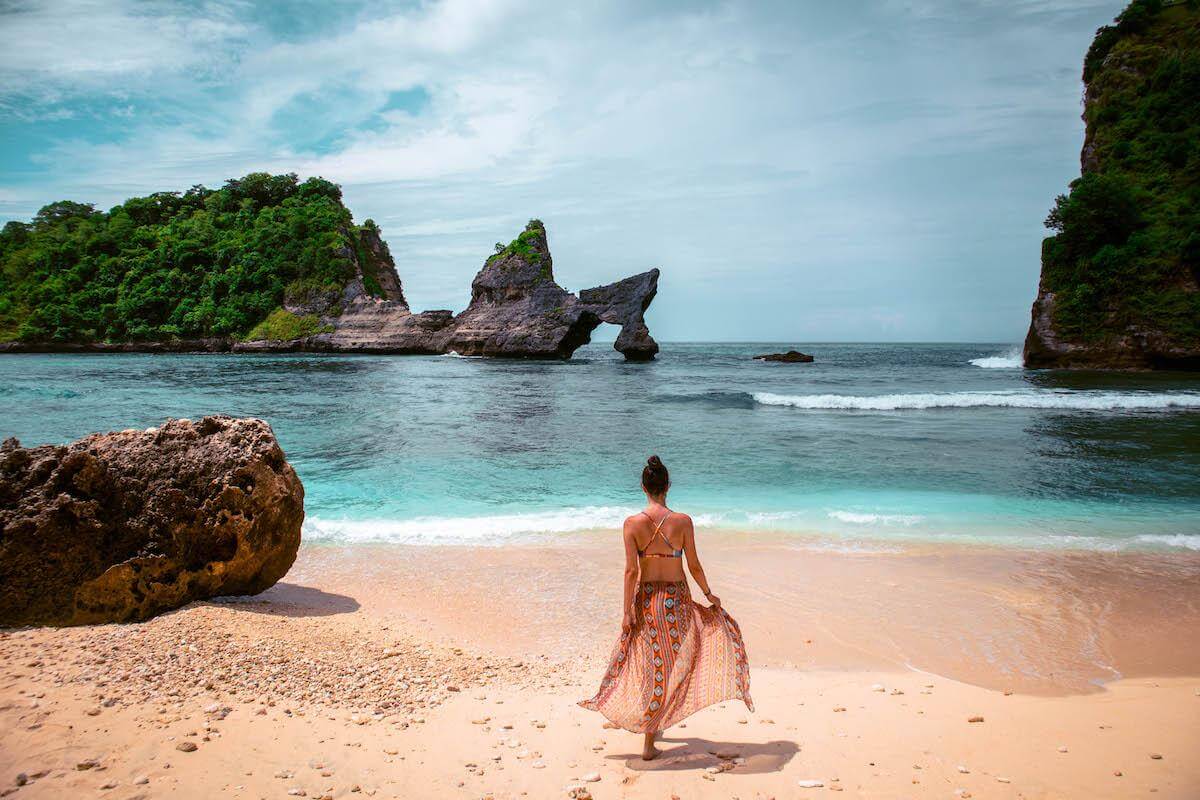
x=660 y=543
x=674 y=656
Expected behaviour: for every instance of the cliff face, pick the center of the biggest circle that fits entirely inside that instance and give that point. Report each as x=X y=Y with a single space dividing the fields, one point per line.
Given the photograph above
x=516 y=310
x=270 y=263
x=1120 y=282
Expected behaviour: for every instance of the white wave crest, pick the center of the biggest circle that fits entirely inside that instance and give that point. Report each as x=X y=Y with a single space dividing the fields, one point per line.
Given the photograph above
x=1078 y=400
x=477 y=530
x=857 y=518
x=1009 y=359
x=1189 y=541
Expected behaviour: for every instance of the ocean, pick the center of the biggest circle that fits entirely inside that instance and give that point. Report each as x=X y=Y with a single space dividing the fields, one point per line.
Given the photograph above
x=870 y=446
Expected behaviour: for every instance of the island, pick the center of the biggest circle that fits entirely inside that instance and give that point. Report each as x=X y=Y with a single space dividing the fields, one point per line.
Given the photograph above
x=268 y=263
x=1120 y=280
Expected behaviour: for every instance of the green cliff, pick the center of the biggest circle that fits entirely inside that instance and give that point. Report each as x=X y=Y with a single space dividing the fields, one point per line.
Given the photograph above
x=201 y=264
x=1120 y=275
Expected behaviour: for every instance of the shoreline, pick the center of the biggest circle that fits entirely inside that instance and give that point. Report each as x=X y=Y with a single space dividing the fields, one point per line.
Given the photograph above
x=453 y=671
x=1034 y=621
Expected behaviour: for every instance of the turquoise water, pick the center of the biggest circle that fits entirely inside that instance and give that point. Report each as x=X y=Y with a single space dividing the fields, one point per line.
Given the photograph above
x=871 y=443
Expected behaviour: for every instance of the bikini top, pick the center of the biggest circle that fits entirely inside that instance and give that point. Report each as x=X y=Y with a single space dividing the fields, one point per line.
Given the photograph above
x=658 y=531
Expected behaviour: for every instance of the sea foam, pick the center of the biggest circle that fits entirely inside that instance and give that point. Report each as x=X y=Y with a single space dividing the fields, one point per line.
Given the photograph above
x=1009 y=359
x=858 y=518
x=1050 y=399
x=1190 y=541
x=496 y=528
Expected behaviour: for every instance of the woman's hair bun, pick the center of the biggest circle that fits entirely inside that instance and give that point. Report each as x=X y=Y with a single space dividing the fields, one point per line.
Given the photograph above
x=655 y=478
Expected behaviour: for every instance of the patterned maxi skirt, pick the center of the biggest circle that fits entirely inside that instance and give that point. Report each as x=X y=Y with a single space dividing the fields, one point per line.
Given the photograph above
x=678 y=658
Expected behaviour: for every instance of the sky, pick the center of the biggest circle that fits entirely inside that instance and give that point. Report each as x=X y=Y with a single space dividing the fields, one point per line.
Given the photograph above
x=799 y=171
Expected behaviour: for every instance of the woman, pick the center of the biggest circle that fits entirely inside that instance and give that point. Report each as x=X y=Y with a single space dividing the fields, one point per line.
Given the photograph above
x=674 y=657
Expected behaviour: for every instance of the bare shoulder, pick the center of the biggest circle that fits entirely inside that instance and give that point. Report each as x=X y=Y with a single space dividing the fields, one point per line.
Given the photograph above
x=633 y=522
x=682 y=522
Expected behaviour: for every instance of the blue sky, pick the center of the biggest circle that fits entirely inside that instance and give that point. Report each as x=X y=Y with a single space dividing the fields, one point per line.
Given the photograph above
x=862 y=171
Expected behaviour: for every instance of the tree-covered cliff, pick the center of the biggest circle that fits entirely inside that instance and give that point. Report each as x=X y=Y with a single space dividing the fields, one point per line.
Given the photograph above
x=201 y=263
x=1120 y=275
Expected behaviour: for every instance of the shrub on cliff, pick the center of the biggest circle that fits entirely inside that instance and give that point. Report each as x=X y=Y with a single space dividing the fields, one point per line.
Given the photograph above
x=1126 y=250
x=188 y=264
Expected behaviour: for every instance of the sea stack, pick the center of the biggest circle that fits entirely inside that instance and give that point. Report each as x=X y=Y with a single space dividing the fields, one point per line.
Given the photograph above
x=118 y=527
x=1120 y=282
x=517 y=310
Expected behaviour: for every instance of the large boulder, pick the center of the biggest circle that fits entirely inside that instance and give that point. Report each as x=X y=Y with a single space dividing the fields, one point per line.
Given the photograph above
x=123 y=526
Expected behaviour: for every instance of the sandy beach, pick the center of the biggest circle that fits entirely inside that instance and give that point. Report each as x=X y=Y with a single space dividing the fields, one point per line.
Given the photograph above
x=454 y=671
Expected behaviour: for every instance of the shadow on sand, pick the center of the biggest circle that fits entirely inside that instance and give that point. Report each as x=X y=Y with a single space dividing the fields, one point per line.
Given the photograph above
x=292 y=600
x=699 y=754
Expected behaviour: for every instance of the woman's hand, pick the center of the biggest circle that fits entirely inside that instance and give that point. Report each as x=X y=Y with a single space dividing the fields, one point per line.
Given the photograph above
x=715 y=601
x=627 y=621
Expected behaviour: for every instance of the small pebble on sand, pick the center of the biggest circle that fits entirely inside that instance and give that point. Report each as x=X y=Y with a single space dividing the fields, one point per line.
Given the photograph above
x=975 y=719
x=186 y=747
x=810 y=784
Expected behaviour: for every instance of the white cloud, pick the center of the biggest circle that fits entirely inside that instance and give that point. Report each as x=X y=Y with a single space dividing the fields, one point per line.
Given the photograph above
x=78 y=44
x=723 y=142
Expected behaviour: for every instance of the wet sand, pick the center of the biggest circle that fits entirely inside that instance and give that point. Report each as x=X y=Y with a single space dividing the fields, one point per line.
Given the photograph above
x=446 y=671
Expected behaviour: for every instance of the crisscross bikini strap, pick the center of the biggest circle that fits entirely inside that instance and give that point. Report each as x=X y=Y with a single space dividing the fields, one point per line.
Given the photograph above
x=658 y=529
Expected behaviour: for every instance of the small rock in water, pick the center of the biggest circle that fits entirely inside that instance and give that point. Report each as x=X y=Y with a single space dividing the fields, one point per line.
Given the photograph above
x=810 y=784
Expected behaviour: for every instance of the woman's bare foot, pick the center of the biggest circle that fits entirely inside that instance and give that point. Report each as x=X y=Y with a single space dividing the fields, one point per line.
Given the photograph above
x=649 y=751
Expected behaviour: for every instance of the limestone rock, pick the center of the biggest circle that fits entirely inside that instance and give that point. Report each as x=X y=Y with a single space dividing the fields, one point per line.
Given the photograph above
x=516 y=310
x=123 y=526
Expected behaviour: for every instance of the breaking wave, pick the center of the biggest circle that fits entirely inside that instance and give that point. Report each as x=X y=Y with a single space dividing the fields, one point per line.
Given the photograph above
x=1080 y=400
x=1009 y=359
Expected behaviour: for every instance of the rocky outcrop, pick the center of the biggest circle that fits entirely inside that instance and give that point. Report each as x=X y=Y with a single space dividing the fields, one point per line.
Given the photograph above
x=516 y=310
x=790 y=357
x=624 y=303
x=123 y=526
x=1120 y=280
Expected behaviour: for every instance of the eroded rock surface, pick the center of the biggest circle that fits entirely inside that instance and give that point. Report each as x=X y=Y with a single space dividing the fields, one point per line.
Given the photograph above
x=516 y=310
x=123 y=526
